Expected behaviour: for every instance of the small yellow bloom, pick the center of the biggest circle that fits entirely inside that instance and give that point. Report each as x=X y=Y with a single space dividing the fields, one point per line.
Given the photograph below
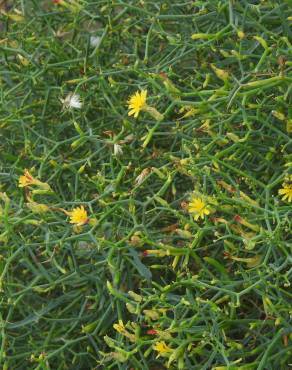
x=162 y=348
x=198 y=208
x=78 y=216
x=26 y=179
x=137 y=102
x=120 y=327
x=286 y=192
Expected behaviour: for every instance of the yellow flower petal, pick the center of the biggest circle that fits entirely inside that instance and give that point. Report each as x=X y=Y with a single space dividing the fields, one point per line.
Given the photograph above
x=131 y=112
x=286 y=192
x=78 y=216
x=162 y=348
x=144 y=94
x=137 y=102
x=198 y=208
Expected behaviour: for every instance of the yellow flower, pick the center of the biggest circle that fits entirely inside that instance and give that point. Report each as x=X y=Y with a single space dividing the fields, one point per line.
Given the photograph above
x=137 y=102
x=162 y=348
x=78 y=216
x=286 y=192
x=120 y=327
x=198 y=208
x=26 y=179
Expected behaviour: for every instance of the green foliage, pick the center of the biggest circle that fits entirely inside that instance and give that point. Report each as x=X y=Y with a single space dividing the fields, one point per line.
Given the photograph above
x=142 y=273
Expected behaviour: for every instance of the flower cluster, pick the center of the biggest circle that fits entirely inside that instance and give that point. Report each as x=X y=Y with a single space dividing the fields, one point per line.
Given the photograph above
x=78 y=215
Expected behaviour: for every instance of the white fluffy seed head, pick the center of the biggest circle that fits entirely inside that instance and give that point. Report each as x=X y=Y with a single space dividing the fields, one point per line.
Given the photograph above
x=118 y=150
x=72 y=101
x=94 y=41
